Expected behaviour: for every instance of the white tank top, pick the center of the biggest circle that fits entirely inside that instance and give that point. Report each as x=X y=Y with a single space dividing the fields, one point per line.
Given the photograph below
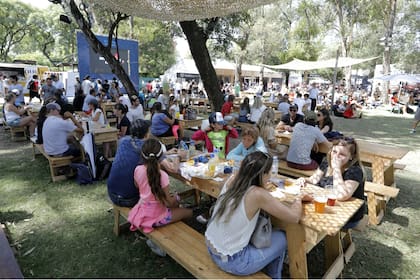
x=101 y=120
x=10 y=115
x=228 y=238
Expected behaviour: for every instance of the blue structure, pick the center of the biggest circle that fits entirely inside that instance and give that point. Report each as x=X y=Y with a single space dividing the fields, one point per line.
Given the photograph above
x=94 y=65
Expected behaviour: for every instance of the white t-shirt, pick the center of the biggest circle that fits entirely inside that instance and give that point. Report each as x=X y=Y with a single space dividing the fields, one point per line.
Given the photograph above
x=135 y=113
x=300 y=102
x=86 y=86
x=101 y=120
x=54 y=134
x=125 y=100
x=256 y=113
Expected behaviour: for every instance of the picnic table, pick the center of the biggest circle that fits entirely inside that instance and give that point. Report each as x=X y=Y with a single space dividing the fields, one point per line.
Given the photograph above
x=185 y=124
x=302 y=237
x=379 y=156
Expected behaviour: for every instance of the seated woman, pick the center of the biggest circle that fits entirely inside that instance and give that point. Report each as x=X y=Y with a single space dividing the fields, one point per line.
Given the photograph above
x=324 y=121
x=256 y=109
x=250 y=143
x=305 y=136
x=15 y=117
x=244 y=111
x=351 y=111
x=161 y=122
x=343 y=170
x=235 y=215
x=123 y=124
x=267 y=132
x=98 y=116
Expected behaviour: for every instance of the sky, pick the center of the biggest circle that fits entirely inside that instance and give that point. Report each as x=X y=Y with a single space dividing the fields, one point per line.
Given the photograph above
x=42 y=4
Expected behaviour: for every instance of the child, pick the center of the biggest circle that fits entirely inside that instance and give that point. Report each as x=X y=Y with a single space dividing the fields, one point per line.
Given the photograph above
x=216 y=136
x=157 y=207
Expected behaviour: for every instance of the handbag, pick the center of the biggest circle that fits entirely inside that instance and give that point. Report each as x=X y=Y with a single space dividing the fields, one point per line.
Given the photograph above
x=261 y=237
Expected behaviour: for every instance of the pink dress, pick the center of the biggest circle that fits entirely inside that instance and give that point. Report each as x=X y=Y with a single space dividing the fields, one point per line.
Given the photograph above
x=148 y=210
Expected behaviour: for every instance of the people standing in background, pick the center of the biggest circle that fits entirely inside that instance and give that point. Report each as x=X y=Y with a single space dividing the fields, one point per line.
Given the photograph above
x=284 y=105
x=2 y=86
x=416 y=117
x=47 y=90
x=33 y=87
x=313 y=95
x=57 y=83
x=86 y=85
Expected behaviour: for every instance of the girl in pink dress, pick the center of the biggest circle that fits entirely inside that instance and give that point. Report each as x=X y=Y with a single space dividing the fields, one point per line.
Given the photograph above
x=156 y=207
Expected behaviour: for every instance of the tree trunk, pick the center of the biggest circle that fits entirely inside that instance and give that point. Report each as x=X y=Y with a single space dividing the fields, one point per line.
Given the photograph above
x=197 y=42
x=387 y=47
x=98 y=47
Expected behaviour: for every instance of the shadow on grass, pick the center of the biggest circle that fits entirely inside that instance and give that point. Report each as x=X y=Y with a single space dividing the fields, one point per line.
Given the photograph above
x=14 y=216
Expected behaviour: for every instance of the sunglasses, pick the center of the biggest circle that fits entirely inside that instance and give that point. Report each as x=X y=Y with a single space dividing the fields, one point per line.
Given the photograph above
x=293 y=110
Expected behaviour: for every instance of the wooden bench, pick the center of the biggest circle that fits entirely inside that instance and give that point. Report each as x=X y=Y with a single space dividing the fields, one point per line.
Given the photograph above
x=167 y=141
x=17 y=133
x=55 y=162
x=286 y=170
x=378 y=195
x=9 y=268
x=186 y=246
x=244 y=125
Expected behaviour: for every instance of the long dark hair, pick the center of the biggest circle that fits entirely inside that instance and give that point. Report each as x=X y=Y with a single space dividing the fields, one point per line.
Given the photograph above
x=151 y=152
x=327 y=119
x=245 y=105
x=251 y=172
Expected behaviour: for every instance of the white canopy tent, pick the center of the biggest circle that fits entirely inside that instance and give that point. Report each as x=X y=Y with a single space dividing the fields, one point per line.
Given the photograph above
x=303 y=65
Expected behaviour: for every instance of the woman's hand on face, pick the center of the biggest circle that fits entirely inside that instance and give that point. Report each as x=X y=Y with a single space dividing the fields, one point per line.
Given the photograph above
x=335 y=161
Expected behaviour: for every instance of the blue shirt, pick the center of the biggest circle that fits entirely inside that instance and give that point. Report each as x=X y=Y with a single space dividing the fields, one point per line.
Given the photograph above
x=159 y=126
x=240 y=152
x=121 y=176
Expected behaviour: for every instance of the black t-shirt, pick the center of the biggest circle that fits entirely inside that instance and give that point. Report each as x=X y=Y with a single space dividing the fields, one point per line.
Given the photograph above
x=354 y=173
x=124 y=122
x=286 y=119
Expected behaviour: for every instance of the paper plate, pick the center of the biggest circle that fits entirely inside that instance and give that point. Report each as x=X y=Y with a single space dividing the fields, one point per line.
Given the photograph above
x=292 y=190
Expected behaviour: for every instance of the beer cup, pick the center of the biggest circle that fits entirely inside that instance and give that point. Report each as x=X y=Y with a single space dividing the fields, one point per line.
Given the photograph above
x=319 y=202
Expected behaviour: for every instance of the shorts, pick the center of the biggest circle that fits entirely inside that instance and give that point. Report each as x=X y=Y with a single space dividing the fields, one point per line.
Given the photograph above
x=166 y=220
x=33 y=94
x=14 y=123
x=417 y=115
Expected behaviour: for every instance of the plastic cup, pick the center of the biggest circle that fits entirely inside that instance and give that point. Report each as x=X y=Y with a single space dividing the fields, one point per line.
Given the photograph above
x=331 y=199
x=181 y=117
x=319 y=203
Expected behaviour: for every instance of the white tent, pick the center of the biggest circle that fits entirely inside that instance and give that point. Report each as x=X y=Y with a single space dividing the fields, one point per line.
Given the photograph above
x=303 y=65
x=406 y=78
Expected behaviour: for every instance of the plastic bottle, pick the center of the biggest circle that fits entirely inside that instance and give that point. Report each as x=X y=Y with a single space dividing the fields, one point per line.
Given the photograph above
x=191 y=150
x=275 y=167
x=212 y=163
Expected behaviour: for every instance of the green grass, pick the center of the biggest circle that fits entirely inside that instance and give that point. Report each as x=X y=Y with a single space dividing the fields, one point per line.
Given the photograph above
x=63 y=230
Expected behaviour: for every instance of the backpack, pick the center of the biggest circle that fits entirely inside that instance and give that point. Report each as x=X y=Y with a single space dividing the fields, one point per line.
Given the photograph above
x=33 y=85
x=103 y=167
x=84 y=174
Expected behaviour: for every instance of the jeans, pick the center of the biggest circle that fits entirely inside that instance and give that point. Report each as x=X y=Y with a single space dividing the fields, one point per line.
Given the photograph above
x=121 y=201
x=251 y=260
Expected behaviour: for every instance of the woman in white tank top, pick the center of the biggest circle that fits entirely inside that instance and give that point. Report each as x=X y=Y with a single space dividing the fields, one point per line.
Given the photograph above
x=235 y=215
x=14 y=116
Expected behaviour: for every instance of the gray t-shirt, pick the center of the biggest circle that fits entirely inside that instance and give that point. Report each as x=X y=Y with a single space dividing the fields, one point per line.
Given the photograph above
x=48 y=91
x=54 y=134
x=303 y=138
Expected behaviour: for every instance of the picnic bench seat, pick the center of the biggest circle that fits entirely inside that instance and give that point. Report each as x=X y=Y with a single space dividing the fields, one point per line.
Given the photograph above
x=167 y=141
x=186 y=246
x=55 y=162
x=9 y=268
x=378 y=195
x=289 y=171
x=243 y=125
x=17 y=133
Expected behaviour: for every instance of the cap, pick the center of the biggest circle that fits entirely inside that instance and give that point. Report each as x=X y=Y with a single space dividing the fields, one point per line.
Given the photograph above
x=53 y=106
x=93 y=102
x=140 y=127
x=310 y=116
x=16 y=91
x=216 y=117
x=293 y=106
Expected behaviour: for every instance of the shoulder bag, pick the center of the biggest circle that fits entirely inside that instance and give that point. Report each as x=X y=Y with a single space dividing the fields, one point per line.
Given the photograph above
x=261 y=237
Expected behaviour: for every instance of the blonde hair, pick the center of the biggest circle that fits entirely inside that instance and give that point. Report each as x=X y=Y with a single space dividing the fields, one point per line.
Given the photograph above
x=265 y=123
x=257 y=102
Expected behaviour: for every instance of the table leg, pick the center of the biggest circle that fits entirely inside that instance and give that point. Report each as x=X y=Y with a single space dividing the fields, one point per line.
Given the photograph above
x=378 y=171
x=297 y=252
x=334 y=258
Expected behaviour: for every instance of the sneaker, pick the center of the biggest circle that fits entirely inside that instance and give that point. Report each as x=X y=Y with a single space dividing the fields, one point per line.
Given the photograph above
x=201 y=219
x=412 y=131
x=155 y=248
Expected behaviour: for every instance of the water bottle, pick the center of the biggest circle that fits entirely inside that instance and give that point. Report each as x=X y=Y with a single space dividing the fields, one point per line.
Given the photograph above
x=275 y=167
x=212 y=164
x=191 y=150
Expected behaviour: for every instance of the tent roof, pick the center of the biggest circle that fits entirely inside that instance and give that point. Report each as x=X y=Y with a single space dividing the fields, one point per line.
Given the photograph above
x=302 y=65
x=167 y=10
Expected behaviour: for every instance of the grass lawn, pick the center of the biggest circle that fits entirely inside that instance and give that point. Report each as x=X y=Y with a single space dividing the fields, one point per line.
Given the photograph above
x=63 y=230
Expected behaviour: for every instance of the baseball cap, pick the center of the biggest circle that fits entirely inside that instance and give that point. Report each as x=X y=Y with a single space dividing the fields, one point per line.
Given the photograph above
x=16 y=91
x=310 y=116
x=93 y=102
x=216 y=117
x=53 y=106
